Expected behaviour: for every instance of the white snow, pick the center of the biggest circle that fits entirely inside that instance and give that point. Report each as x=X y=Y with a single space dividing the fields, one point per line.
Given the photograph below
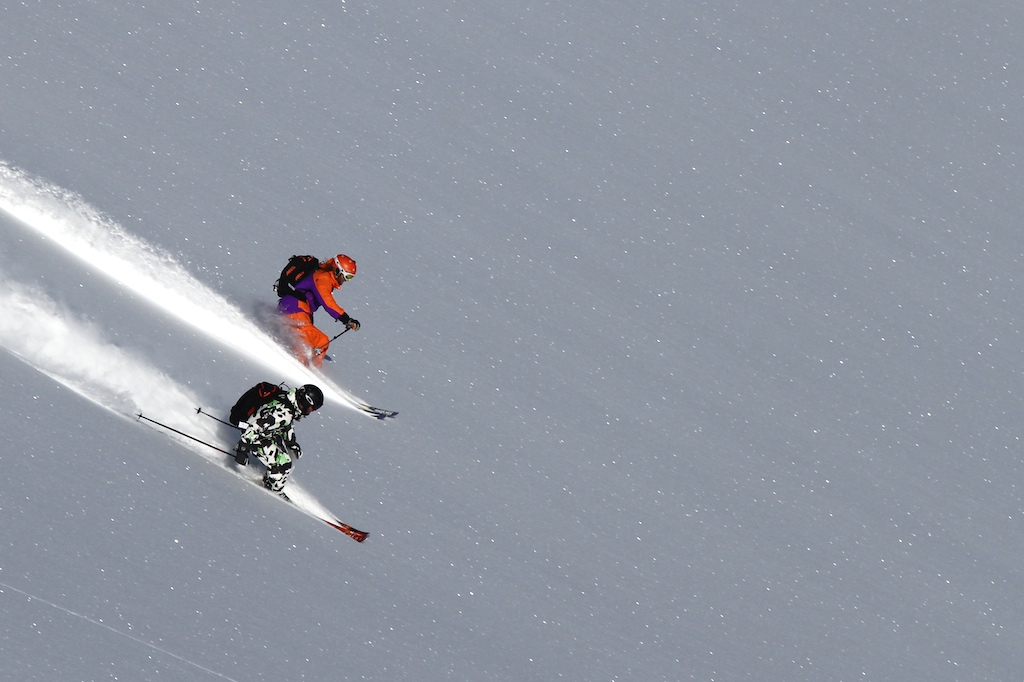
x=702 y=320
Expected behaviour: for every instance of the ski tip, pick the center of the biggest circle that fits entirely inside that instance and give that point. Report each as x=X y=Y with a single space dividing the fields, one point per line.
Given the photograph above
x=354 y=533
x=377 y=412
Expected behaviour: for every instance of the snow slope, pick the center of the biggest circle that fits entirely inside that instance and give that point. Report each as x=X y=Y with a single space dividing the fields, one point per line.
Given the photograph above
x=702 y=319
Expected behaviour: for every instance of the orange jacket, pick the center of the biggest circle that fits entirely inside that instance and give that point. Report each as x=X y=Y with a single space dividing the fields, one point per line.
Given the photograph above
x=316 y=291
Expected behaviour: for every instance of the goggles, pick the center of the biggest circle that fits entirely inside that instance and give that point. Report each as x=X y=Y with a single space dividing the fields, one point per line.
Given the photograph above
x=343 y=275
x=305 y=402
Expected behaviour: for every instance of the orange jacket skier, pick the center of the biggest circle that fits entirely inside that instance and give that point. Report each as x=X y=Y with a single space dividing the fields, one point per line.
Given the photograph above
x=313 y=292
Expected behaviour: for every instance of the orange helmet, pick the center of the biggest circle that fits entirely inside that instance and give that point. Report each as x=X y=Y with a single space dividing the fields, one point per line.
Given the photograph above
x=344 y=267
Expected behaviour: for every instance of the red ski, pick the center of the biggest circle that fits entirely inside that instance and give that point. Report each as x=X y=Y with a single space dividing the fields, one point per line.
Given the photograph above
x=357 y=535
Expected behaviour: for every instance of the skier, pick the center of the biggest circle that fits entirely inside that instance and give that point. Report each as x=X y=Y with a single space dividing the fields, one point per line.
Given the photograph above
x=269 y=434
x=312 y=292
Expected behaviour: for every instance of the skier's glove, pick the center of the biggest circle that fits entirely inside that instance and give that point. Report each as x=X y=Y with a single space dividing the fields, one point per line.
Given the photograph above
x=242 y=451
x=349 y=322
x=295 y=449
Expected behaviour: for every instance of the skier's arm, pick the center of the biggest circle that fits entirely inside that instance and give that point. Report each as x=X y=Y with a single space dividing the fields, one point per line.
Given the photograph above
x=324 y=291
x=290 y=444
x=267 y=421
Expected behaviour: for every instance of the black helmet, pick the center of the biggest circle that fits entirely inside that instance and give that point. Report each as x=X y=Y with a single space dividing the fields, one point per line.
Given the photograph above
x=309 y=397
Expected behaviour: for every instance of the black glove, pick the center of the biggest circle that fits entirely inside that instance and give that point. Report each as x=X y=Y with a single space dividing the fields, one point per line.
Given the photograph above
x=242 y=451
x=349 y=322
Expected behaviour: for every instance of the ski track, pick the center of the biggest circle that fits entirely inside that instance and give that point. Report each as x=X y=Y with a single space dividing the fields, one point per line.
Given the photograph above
x=33 y=597
x=70 y=223
x=74 y=351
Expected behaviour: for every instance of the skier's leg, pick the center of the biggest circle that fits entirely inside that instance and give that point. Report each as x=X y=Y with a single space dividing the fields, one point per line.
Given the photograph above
x=308 y=342
x=278 y=462
x=318 y=343
x=277 y=476
x=277 y=472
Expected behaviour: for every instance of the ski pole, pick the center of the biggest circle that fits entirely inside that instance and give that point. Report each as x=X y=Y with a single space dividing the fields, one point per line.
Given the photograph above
x=200 y=410
x=182 y=433
x=347 y=329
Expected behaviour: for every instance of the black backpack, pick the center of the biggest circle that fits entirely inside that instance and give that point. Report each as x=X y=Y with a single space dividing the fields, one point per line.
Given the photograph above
x=297 y=268
x=253 y=399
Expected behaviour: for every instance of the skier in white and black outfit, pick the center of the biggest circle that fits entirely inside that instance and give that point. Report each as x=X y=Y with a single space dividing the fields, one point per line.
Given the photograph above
x=269 y=434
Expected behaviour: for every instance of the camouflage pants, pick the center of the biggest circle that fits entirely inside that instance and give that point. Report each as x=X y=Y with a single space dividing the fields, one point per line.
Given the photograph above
x=276 y=456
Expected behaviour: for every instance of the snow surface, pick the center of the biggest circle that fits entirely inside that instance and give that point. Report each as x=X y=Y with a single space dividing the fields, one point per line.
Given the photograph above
x=702 y=320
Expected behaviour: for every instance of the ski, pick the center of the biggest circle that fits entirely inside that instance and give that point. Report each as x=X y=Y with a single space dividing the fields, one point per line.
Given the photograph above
x=355 y=534
x=378 y=412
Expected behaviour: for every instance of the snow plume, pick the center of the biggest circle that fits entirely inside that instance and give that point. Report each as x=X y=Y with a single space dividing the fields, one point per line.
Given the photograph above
x=55 y=342
x=154 y=275
x=74 y=352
